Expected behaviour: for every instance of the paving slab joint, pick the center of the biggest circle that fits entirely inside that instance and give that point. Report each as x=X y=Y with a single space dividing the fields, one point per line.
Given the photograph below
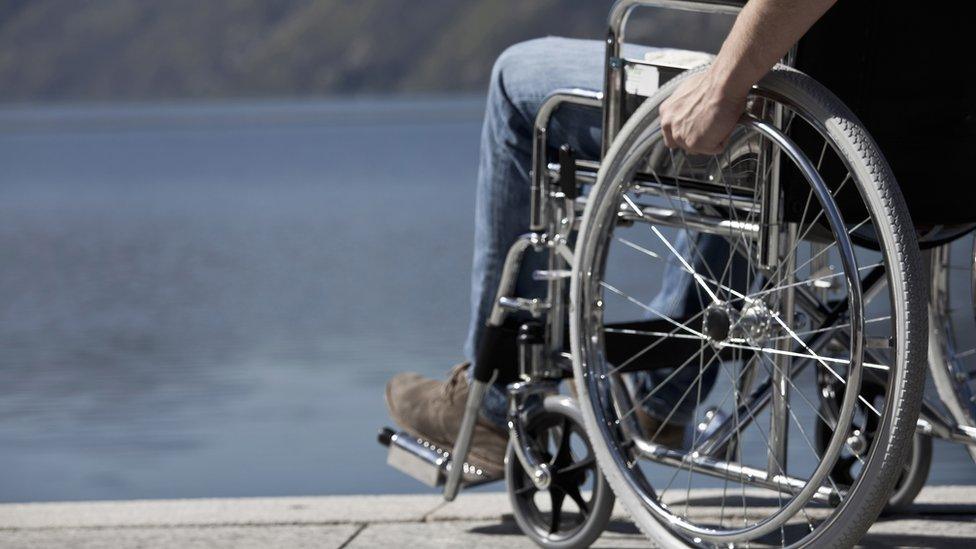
x=353 y=536
x=429 y=515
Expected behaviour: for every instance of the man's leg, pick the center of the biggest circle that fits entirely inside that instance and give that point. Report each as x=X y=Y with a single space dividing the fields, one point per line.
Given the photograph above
x=521 y=79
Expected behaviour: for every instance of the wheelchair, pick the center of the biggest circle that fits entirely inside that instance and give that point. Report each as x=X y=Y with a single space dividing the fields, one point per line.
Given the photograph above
x=805 y=361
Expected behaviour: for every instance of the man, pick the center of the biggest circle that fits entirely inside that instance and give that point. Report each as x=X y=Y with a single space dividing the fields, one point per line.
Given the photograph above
x=854 y=40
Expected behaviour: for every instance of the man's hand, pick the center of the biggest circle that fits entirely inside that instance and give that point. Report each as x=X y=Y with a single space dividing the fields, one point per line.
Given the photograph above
x=700 y=115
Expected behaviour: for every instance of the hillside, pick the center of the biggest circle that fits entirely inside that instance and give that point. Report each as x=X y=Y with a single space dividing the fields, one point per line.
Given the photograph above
x=71 y=50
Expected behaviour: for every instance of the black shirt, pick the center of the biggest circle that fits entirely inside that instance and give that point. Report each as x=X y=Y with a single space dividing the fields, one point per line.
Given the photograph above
x=906 y=71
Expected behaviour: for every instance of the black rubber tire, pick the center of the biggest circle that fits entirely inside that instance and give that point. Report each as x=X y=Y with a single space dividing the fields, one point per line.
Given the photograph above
x=907 y=285
x=602 y=499
x=913 y=477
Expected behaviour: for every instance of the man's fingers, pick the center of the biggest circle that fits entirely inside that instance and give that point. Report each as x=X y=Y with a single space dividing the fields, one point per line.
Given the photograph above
x=708 y=144
x=679 y=142
x=720 y=147
x=723 y=145
x=678 y=136
x=668 y=137
x=703 y=147
x=694 y=145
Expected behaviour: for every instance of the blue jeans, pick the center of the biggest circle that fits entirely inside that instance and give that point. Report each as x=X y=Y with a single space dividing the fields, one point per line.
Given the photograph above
x=520 y=80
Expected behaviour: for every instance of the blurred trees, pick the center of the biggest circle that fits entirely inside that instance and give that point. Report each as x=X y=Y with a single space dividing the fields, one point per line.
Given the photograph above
x=150 y=49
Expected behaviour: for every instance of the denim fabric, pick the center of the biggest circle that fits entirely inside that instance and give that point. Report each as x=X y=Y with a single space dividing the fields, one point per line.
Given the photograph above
x=521 y=79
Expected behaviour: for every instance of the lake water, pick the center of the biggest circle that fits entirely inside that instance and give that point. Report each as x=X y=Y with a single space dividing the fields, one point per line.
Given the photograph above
x=207 y=299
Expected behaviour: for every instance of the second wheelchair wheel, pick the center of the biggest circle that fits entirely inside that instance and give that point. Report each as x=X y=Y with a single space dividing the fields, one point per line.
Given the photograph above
x=575 y=509
x=952 y=332
x=776 y=261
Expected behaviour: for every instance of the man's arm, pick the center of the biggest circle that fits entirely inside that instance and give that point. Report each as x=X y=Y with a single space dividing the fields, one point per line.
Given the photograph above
x=702 y=112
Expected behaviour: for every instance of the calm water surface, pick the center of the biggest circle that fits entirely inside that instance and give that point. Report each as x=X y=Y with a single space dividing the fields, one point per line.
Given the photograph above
x=207 y=299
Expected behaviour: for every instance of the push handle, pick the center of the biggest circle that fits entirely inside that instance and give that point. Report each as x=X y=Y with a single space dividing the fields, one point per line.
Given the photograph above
x=613 y=81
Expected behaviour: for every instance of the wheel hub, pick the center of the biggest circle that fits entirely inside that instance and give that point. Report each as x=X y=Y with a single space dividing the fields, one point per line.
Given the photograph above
x=717 y=322
x=755 y=322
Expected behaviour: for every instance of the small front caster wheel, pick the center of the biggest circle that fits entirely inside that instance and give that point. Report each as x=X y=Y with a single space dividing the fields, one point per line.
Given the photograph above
x=575 y=509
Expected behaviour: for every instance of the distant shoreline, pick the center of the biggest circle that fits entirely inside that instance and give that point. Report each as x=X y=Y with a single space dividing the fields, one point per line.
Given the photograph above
x=234 y=113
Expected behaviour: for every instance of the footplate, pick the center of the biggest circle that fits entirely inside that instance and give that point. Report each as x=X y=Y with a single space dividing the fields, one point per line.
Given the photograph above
x=425 y=461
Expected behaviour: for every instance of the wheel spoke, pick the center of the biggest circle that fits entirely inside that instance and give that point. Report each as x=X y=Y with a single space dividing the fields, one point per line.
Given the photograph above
x=741 y=344
x=628 y=331
x=556 y=496
x=563 y=450
x=769 y=447
x=796 y=421
x=574 y=494
x=652 y=310
x=663 y=384
x=671 y=248
x=672 y=334
x=804 y=233
x=830 y=328
x=964 y=354
x=583 y=464
x=806 y=282
x=638 y=247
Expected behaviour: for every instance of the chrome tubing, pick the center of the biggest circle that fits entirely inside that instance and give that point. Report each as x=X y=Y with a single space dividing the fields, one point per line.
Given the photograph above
x=510 y=271
x=555 y=319
x=934 y=423
x=540 y=135
x=586 y=172
x=477 y=389
x=733 y=471
x=700 y=222
x=519 y=412
x=425 y=461
x=530 y=459
x=476 y=395
x=613 y=68
x=696 y=197
x=779 y=422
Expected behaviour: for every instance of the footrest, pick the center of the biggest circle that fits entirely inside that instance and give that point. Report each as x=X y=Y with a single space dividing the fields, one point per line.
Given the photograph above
x=425 y=461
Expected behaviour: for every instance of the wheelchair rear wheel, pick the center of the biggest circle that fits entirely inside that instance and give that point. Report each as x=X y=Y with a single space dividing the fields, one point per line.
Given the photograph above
x=801 y=257
x=952 y=331
x=915 y=470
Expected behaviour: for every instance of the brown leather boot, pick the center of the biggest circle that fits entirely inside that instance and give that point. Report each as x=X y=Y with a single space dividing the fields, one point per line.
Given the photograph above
x=671 y=435
x=433 y=409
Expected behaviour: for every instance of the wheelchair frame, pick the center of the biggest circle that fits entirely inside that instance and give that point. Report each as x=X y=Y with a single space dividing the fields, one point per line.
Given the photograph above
x=554 y=215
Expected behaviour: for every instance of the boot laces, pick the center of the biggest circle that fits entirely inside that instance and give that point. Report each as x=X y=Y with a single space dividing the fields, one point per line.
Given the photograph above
x=458 y=373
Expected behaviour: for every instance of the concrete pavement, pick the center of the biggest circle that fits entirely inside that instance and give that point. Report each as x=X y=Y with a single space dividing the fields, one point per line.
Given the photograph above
x=942 y=517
